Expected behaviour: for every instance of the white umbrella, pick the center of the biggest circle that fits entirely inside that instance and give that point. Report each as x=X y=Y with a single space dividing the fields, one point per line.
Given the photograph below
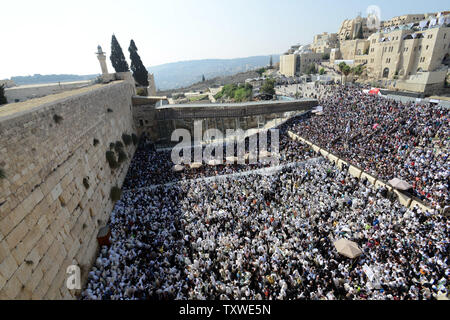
x=400 y=184
x=195 y=165
x=347 y=248
x=178 y=168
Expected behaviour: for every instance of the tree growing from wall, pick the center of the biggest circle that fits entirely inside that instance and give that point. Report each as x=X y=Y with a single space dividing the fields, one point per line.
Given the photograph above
x=3 y=99
x=117 y=58
x=140 y=73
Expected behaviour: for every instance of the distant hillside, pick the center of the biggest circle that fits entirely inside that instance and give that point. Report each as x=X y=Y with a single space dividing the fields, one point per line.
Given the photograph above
x=50 y=78
x=184 y=73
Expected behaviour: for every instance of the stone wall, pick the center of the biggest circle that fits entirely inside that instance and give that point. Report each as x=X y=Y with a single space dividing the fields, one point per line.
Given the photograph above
x=49 y=216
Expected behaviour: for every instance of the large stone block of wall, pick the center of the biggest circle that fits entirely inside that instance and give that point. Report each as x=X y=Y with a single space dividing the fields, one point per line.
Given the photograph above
x=49 y=219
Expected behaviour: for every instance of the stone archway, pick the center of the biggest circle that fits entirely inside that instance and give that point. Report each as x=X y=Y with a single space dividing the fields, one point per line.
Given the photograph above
x=386 y=73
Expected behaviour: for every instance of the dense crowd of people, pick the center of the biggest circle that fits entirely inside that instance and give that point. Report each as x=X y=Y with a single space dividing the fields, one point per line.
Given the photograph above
x=386 y=138
x=253 y=235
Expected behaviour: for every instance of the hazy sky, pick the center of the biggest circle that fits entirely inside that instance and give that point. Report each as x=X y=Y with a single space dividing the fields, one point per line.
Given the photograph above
x=59 y=36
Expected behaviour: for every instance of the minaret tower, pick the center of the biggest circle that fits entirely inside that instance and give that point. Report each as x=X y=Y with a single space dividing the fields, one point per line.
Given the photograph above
x=102 y=59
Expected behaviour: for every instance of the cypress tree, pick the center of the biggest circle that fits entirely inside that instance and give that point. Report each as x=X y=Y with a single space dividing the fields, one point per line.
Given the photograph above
x=140 y=73
x=203 y=78
x=2 y=95
x=270 y=62
x=117 y=58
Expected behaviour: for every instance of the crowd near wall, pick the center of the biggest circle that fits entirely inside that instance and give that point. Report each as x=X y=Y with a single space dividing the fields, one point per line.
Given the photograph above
x=55 y=193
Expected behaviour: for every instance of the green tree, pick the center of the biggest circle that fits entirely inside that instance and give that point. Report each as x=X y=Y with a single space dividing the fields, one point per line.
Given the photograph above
x=268 y=87
x=203 y=78
x=326 y=56
x=243 y=93
x=3 y=99
x=270 y=63
x=140 y=73
x=322 y=71
x=117 y=58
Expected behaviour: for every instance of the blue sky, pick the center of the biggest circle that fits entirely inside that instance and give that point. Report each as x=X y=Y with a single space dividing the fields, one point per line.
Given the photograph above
x=50 y=36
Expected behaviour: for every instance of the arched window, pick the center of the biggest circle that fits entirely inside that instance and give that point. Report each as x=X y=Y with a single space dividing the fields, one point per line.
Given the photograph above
x=386 y=73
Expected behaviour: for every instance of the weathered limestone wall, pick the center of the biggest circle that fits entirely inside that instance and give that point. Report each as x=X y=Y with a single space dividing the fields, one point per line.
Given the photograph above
x=49 y=219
